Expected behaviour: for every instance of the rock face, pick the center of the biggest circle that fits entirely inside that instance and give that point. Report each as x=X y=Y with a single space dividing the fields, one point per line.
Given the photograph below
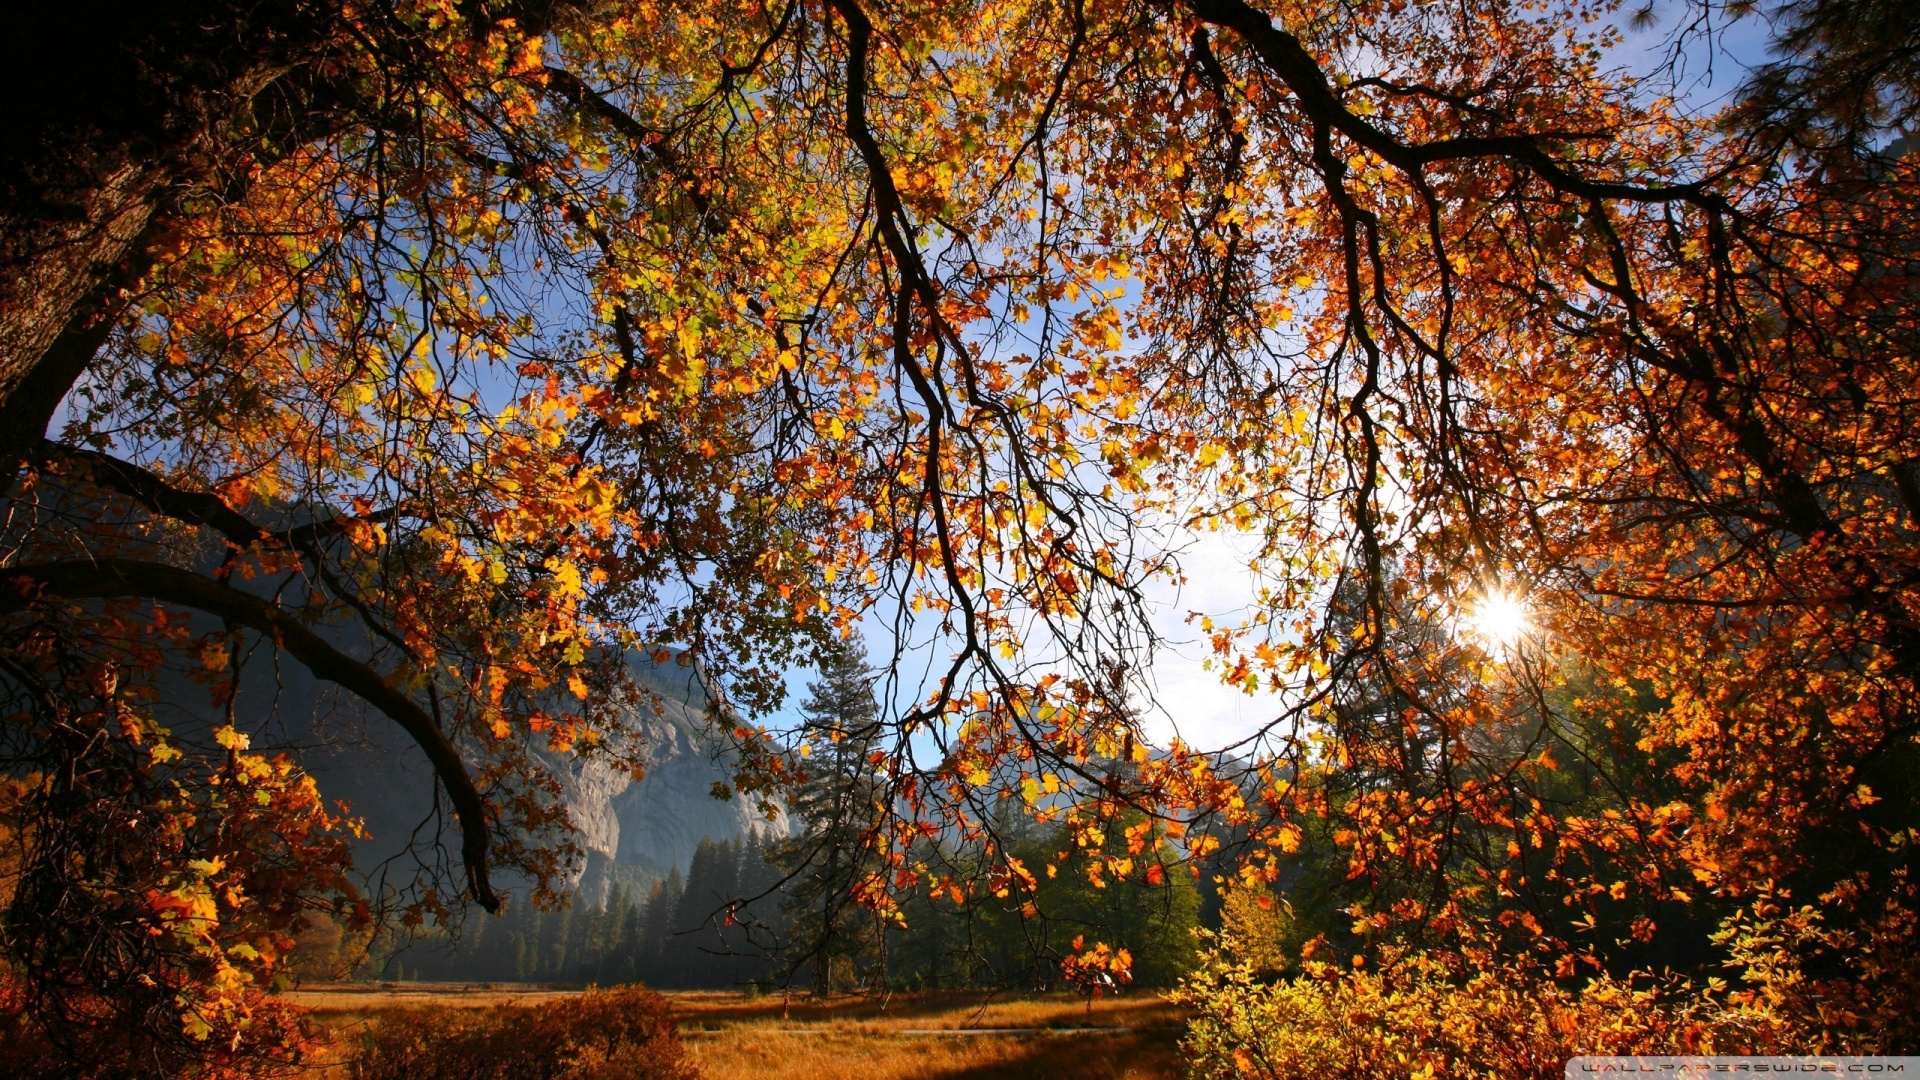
x=630 y=831
x=636 y=832
x=640 y=831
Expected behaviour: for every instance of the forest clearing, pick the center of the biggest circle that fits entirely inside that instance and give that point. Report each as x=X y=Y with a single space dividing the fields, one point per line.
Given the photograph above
x=924 y=1036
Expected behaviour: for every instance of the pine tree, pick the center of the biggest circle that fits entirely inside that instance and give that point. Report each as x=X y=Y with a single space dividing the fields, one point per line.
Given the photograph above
x=609 y=930
x=626 y=963
x=700 y=937
x=662 y=910
x=477 y=946
x=761 y=920
x=840 y=805
x=555 y=935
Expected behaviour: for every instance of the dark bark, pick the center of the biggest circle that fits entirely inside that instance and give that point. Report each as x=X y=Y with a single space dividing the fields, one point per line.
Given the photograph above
x=61 y=288
x=120 y=117
x=158 y=496
x=89 y=579
x=123 y=120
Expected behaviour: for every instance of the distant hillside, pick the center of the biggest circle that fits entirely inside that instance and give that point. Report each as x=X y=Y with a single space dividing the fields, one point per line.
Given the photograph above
x=681 y=932
x=636 y=833
x=632 y=833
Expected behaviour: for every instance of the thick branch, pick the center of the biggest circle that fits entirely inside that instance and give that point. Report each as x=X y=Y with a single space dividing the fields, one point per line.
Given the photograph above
x=917 y=282
x=152 y=491
x=83 y=579
x=160 y=497
x=1283 y=54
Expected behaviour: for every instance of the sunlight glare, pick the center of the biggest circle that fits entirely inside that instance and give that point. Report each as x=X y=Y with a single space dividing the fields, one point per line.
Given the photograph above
x=1499 y=620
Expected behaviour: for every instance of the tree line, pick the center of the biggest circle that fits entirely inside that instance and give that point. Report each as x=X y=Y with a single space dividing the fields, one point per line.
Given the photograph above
x=674 y=935
x=783 y=912
x=670 y=934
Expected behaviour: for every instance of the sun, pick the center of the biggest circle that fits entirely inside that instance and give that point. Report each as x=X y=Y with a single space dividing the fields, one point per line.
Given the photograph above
x=1499 y=620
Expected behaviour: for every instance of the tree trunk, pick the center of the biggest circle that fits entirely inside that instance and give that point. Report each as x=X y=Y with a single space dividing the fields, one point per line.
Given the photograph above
x=114 y=109
x=62 y=289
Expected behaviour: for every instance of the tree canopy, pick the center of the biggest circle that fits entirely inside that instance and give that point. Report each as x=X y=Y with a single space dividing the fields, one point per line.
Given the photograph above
x=504 y=339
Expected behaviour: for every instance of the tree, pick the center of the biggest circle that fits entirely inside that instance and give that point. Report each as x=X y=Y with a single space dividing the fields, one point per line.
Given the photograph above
x=954 y=314
x=152 y=897
x=1126 y=893
x=135 y=119
x=830 y=864
x=211 y=228
x=245 y=238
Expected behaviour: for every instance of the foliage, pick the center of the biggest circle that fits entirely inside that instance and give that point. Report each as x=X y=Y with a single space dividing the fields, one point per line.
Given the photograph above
x=599 y=1035
x=1266 y=936
x=1476 y=1010
x=254 y=1036
x=1830 y=989
x=1769 y=972
x=517 y=336
x=155 y=895
x=1055 y=911
x=1425 y=1014
x=1097 y=970
x=1413 y=1019
x=1146 y=914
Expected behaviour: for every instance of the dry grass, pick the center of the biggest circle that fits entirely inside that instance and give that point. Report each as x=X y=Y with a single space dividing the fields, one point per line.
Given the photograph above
x=341 y=1007
x=909 y=1037
x=735 y=1038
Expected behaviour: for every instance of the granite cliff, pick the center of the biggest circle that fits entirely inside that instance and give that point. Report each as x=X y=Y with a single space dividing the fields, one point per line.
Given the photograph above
x=639 y=831
x=632 y=831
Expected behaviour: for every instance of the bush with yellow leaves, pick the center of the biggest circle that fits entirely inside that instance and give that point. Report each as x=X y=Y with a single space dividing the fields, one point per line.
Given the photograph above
x=1454 y=1014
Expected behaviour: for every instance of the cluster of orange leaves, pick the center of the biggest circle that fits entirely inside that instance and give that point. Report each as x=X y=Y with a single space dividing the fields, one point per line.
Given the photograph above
x=1094 y=971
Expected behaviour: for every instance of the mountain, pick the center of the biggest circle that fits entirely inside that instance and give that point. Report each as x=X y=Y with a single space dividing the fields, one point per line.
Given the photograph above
x=635 y=832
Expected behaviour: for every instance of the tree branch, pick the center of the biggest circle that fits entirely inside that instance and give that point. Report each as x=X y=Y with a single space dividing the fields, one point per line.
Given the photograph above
x=86 y=579
x=1283 y=54
x=160 y=497
x=150 y=490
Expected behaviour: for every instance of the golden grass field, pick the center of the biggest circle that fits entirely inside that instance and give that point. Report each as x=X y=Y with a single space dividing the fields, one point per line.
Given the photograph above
x=909 y=1037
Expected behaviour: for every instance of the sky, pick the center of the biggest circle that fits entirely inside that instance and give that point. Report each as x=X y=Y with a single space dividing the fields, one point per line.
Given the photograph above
x=1190 y=700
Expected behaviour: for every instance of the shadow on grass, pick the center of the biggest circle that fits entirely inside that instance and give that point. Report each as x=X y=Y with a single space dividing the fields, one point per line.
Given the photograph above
x=1142 y=1055
x=953 y=1008
x=933 y=1036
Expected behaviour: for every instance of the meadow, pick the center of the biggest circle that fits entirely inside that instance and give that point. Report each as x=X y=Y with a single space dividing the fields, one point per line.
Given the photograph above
x=925 y=1036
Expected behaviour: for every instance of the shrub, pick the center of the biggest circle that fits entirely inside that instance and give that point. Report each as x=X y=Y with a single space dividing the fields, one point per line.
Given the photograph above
x=259 y=1038
x=1798 y=985
x=1417 y=1016
x=620 y=1034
